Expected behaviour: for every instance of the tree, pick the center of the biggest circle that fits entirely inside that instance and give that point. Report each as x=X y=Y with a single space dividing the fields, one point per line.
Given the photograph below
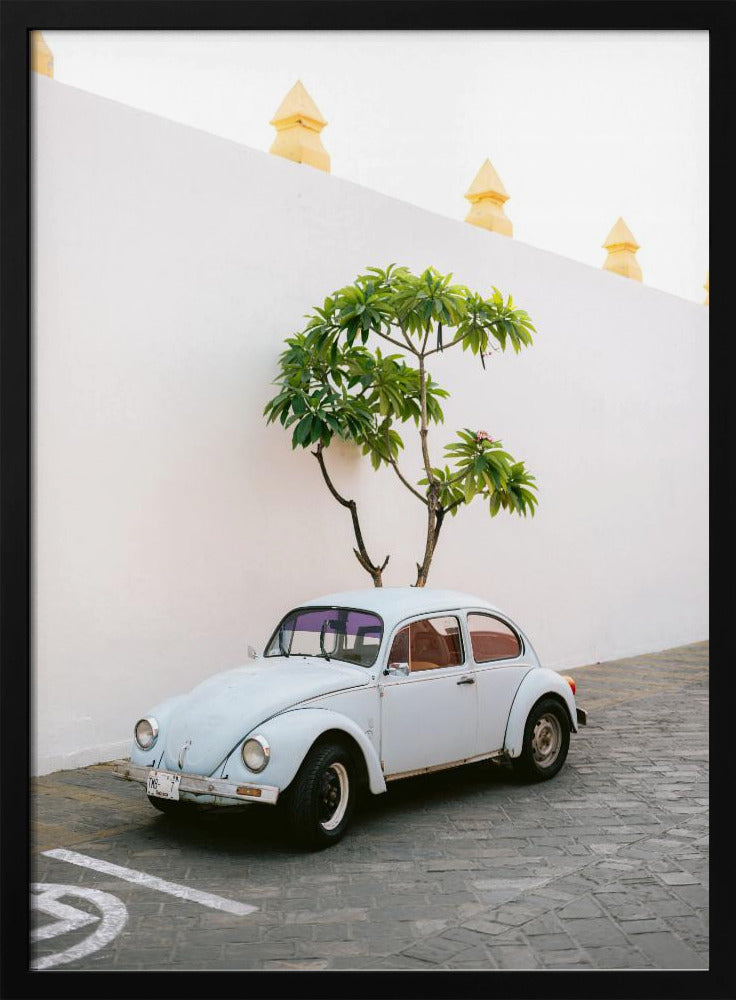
x=334 y=382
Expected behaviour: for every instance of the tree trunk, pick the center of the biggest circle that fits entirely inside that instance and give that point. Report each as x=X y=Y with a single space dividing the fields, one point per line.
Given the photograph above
x=433 y=505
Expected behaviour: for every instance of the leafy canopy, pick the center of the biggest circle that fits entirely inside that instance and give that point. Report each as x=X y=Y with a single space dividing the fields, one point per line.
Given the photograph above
x=333 y=383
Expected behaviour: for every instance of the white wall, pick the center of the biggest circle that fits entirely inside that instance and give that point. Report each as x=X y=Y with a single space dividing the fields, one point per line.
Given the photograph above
x=172 y=527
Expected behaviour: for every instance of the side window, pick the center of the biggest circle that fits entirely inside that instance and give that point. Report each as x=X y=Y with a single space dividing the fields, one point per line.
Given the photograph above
x=400 y=647
x=435 y=642
x=491 y=639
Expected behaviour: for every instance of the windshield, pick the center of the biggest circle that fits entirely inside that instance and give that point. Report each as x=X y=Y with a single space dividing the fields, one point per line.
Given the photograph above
x=333 y=633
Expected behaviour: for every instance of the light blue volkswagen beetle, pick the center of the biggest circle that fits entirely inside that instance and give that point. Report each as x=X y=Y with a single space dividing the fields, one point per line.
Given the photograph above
x=357 y=689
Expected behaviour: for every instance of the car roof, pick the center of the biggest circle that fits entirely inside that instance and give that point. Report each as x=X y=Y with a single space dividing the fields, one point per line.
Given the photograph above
x=396 y=603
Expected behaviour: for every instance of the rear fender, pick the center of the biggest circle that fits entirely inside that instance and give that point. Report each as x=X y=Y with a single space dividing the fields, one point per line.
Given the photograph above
x=535 y=685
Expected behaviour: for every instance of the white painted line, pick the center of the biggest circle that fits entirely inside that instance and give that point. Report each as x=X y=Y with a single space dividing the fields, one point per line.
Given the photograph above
x=152 y=882
x=45 y=899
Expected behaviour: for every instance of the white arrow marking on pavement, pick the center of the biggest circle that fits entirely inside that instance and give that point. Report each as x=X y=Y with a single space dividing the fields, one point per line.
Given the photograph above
x=112 y=909
x=153 y=882
x=69 y=917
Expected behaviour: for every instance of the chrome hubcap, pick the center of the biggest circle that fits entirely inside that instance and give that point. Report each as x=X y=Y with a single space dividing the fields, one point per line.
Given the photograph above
x=546 y=740
x=333 y=796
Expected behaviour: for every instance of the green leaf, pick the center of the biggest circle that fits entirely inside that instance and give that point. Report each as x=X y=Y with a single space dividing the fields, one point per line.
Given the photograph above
x=469 y=488
x=301 y=433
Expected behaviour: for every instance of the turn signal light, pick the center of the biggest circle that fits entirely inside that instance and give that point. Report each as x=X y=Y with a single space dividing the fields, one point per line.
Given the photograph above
x=248 y=790
x=570 y=681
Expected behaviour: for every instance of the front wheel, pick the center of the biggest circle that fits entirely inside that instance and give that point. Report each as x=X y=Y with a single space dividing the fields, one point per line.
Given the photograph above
x=546 y=741
x=319 y=803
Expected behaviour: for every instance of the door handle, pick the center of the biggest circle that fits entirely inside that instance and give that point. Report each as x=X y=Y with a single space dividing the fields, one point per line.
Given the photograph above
x=467 y=680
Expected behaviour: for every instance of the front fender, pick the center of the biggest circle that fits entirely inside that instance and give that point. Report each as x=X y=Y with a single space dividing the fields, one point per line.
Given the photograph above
x=290 y=735
x=161 y=713
x=536 y=683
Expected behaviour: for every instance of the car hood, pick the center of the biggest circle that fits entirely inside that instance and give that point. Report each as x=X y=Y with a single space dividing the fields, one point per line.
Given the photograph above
x=218 y=713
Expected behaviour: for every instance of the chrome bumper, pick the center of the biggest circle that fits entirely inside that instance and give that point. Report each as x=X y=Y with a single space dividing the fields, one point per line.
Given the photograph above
x=197 y=784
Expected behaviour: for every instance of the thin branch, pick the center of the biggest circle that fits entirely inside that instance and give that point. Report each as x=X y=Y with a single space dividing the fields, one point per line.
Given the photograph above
x=396 y=343
x=456 y=478
x=318 y=455
x=446 y=347
x=424 y=352
x=459 y=340
x=406 y=483
x=424 y=422
x=396 y=469
x=407 y=338
x=438 y=525
x=361 y=553
x=366 y=388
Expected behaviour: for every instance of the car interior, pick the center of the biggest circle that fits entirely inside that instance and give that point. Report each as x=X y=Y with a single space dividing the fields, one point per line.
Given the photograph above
x=425 y=647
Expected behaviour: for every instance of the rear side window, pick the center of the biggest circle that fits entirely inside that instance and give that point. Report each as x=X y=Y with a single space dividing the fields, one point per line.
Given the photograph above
x=491 y=639
x=428 y=644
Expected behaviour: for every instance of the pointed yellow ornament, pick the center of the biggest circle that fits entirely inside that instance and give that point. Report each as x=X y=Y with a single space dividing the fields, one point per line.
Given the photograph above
x=706 y=286
x=487 y=196
x=622 y=248
x=42 y=59
x=298 y=123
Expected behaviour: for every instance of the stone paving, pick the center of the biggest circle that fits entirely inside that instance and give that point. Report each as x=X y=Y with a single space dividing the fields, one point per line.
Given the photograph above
x=605 y=866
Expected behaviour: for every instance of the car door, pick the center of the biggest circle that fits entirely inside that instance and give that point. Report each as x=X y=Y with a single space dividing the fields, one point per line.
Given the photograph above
x=429 y=715
x=499 y=663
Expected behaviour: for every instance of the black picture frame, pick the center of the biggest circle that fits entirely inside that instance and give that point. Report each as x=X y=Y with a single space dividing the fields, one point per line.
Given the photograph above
x=17 y=18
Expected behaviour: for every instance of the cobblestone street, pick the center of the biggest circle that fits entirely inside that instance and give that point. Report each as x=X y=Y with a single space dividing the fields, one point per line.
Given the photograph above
x=605 y=866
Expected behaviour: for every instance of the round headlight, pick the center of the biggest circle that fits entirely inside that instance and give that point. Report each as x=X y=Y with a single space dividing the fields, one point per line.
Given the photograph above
x=256 y=753
x=146 y=733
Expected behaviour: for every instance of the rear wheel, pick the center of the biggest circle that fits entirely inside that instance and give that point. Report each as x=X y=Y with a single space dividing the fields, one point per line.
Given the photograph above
x=546 y=741
x=319 y=803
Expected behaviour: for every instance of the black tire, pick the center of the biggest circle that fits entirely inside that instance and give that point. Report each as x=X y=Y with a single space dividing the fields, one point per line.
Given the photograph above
x=318 y=805
x=169 y=807
x=546 y=741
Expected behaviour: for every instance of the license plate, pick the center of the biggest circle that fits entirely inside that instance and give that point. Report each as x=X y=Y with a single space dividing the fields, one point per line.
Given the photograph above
x=163 y=784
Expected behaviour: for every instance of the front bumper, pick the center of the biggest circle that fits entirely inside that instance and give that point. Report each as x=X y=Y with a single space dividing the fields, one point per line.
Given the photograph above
x=197 y=784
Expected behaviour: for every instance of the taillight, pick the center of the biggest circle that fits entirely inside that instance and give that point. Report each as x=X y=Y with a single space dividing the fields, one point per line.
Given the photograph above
x=570 y=681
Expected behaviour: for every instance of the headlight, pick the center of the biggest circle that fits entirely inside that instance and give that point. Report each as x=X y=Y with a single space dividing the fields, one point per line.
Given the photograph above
x=256 y=753
x=146 y=733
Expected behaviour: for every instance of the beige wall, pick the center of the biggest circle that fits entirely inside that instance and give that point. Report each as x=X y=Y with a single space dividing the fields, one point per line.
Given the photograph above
x=172 y=527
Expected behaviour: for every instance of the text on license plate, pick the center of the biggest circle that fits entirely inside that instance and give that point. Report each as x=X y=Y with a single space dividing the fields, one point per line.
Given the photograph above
x=163 y=784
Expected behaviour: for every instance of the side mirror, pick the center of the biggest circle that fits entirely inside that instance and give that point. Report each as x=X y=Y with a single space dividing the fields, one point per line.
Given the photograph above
x=396 y=670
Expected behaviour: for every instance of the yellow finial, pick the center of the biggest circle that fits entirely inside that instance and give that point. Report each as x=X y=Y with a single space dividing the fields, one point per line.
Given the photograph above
x=298 y=123
x=622 y=248
x=487 y=196
x=706 y=286
x=42 y=60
